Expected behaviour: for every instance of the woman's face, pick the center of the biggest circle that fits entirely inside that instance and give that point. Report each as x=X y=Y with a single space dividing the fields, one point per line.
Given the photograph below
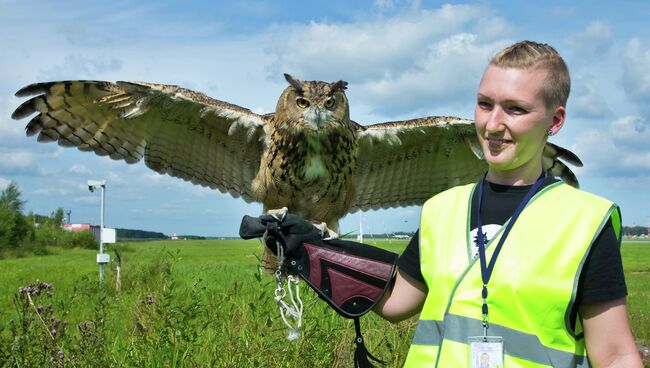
x=512 y=120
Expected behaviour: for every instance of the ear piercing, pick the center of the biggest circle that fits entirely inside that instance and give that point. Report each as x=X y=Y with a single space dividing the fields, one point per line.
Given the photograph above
x=549 y=132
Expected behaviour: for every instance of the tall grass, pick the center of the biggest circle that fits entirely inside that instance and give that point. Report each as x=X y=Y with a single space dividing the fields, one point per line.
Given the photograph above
x=636 y=263
x=182 y=304
x=197 y=304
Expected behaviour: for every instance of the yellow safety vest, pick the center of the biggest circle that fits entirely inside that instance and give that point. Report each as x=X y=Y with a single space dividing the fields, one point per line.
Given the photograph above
x=532 y=288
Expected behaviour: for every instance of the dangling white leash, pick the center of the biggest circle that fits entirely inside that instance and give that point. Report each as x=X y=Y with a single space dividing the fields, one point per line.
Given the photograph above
x=291 y=313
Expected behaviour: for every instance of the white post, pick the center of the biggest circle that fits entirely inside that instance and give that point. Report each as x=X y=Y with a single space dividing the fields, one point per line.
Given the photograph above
x=101 y=237
x=360 y=226
x=102 y=258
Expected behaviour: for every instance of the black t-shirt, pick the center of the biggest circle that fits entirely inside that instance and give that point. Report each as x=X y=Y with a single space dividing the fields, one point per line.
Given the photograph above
x=602 y=276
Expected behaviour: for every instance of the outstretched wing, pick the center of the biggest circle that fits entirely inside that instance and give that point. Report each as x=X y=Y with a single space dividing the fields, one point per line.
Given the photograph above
x=404 y=163
x=178 y=132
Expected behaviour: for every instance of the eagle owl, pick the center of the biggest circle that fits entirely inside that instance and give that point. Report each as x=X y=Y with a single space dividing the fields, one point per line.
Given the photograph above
x=308 y=156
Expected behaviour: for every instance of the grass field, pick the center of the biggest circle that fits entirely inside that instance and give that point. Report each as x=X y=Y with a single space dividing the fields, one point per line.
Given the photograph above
x=201 y=303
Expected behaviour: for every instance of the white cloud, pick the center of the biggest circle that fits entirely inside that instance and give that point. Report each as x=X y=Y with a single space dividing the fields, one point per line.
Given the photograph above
x=29 y=159
x=446 y=76
x=619 y=149
x=636 y=183
x=414 y=59
x=80 y=67
x=4 y=183
x=12 y=133
x=115 y=179
x=587 y=100
x=16 y=159
x=350 y=51
x=370 y=48
x=491 y=28
x=152 y=177
x=592 y=44
x=633 y=131
x=50 y=191
x=383 y=5
x=86 y=199
x=79 y=169
x=636 y=74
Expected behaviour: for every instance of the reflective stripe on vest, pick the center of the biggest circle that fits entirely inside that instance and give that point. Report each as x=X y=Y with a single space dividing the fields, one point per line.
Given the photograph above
x=519 y=344
x=533 y=286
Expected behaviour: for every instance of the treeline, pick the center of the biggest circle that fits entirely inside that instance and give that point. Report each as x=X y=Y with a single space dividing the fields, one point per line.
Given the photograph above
x=124 y=234
x=30 y=234
x=635 y=230
x=409 y=235
x=191 y=237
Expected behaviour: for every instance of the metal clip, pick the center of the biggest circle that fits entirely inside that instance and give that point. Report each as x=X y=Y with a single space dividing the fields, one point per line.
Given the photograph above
x=291 y=313
x=486 y=325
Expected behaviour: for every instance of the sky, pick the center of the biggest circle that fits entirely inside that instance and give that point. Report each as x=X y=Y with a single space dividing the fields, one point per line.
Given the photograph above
x=402 y=60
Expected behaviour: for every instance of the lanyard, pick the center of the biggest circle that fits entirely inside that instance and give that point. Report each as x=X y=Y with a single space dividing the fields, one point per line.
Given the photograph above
x=486 y=269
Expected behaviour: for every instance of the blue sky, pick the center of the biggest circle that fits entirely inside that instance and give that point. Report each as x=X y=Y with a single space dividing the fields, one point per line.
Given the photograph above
x=402 y=59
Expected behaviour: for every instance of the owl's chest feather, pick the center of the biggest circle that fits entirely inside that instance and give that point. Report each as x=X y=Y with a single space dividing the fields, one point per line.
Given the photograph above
x=312 y=158
x=309 y=174
x=314 y=168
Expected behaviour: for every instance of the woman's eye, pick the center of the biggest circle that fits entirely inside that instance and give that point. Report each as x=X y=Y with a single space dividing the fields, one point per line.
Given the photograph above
x=302 y=103
x=517 y=110
x=329 y=103
x=484 y=105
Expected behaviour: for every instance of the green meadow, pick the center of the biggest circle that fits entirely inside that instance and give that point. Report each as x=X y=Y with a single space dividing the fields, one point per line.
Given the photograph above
x=198 y=304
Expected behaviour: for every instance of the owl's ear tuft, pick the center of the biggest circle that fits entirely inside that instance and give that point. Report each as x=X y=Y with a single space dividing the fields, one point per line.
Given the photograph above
x=294 y=83
x=338 y=86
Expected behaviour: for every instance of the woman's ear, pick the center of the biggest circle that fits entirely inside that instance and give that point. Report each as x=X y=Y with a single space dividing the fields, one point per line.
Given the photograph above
x=559 y=115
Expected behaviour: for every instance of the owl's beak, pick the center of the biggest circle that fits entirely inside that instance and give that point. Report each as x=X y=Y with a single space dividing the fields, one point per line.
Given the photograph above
x=316 y=117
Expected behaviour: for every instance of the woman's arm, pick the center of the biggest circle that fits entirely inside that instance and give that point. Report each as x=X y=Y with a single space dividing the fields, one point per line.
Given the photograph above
x=608 y=337
x=403 y=300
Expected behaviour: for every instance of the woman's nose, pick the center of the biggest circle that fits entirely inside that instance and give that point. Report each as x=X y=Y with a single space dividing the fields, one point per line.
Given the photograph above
x=494 y=119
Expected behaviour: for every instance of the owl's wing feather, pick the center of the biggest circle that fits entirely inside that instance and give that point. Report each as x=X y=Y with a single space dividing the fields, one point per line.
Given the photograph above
x=553 y=166
x=177 y=131
x=405 y=163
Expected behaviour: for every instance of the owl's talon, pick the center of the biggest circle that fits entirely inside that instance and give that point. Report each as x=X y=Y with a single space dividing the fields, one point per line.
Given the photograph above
x=279 y=213
x=326 y=231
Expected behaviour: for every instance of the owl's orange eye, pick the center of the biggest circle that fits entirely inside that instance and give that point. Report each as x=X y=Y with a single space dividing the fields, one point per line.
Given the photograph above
x=329 y=103
x=302 y=103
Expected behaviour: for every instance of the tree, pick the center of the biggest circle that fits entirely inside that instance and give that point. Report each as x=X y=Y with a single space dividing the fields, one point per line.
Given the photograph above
x=14 y=228
x=10 y=196
x=57 y=217
x=635 y=230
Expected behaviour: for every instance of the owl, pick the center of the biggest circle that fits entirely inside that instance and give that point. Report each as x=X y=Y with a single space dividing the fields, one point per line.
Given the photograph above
x=307 y=156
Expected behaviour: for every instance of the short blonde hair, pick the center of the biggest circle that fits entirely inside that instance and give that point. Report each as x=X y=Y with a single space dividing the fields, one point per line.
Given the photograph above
x=530 y=54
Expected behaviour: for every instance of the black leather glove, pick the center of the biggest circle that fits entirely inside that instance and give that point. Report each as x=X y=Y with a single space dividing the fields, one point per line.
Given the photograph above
x=351 y=277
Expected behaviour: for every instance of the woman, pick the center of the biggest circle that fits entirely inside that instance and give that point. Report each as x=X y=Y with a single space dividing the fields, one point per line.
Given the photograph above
x=542 y=285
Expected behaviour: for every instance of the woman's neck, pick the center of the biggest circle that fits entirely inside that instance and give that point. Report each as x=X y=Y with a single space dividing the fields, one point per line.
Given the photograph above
x=515 y=177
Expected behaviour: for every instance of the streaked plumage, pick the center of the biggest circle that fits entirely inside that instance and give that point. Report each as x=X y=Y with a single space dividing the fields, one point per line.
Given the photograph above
x=318 y=163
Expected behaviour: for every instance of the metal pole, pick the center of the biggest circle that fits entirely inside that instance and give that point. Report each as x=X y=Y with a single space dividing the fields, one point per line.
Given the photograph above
x=102 y=258
x=360 y=226
x=101 y=237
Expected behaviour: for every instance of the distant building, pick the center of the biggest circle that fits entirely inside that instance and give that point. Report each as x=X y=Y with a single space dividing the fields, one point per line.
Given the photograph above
x=75 y=228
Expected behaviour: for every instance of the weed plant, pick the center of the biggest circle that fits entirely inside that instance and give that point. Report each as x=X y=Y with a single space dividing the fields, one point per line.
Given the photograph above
x=196 y=304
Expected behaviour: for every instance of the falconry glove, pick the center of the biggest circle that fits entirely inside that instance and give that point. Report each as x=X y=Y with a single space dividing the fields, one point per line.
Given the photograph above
x=351 y=277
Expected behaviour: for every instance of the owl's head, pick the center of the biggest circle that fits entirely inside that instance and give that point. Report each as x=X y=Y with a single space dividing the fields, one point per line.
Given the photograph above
x=313 y=105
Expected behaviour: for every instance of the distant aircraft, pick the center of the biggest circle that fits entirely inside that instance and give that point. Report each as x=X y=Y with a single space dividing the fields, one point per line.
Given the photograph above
x=401 y=236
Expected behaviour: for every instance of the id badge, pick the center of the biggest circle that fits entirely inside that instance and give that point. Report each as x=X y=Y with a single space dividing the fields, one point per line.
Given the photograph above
x=485 y=351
